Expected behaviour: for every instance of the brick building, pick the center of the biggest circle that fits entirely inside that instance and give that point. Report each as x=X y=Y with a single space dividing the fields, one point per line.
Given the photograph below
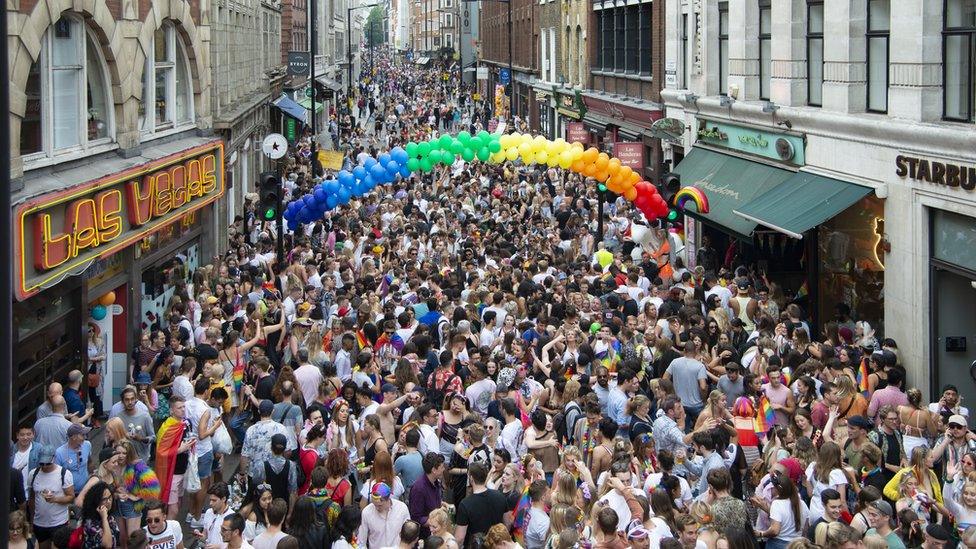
x=523 y=56
x=550 y=65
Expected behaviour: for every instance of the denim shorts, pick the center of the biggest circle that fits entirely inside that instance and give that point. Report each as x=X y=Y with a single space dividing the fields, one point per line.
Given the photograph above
x=205 y=465
x=127 y=509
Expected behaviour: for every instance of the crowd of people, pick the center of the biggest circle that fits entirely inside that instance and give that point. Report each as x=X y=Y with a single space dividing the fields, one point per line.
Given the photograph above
x=462 y=363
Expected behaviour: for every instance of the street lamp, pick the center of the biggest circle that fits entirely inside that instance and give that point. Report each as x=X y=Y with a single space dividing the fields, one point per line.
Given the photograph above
x=349 y=11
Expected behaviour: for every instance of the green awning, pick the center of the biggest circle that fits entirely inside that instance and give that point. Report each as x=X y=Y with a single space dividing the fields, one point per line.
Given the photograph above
x=307 y=103
x=801 y=203
x=730 y=183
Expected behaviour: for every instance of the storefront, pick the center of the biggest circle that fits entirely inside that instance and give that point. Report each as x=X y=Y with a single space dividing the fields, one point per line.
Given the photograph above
x=816 y=236
x=613 y=120
x=101 y=251
x=569 y=108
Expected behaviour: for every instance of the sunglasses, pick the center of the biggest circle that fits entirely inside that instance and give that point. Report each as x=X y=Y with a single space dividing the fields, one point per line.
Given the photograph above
x=956 y=426
x=155 y=520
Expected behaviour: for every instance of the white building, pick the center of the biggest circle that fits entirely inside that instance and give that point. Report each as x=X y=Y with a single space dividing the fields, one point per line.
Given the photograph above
x=849 y=123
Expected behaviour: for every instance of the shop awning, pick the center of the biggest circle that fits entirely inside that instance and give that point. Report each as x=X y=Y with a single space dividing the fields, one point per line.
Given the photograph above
x=307 y=103
x=422 y=60
x=801 y=203
x=730 y=183
x=292 y=109
x=329 y=83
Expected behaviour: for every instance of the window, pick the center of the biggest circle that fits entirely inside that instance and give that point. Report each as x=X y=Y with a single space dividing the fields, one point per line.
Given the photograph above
x=645 y=39
x=619 y=34
x=606 y=38
x=815 y=49
x=959 y=60
x=723 y=48
x=685 y=68
x=765 y=48
x=167 y=95
x=877 y=38
x=631 y=38
x=68 y=102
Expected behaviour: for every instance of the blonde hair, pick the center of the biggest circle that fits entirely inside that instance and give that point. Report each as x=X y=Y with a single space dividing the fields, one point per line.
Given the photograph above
x=116 y=429
x=20 y=518
x=441 y=517
x=564 y=488
x=874 y=541
x=702 y=513
x=561 y=517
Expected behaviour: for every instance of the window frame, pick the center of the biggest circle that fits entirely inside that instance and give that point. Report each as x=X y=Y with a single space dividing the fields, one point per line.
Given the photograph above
x=970 y=35
x=645 y=40
x=870 y=36
x=765 y=80
x=151 y=128
x=48 y=153
x=685 y=69
x=723 y=49
x=811 y=37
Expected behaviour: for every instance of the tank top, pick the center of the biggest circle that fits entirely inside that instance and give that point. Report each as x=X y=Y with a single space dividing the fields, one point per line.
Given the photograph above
x=549 y=456
x=744 y=312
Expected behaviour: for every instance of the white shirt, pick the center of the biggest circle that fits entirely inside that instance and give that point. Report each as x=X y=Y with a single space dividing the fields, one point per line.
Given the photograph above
x=428 y=439
x=168 y=538
x=182 y=387
x=195 y=408
x=211 y=526
x=781 y=511
x=47 y=514
x=343 y=364
x=267 y=541
x=836 y=478
x=308 y=377
x=22 y=462
x=935 y=409
x=513 y=439
x=383 y=531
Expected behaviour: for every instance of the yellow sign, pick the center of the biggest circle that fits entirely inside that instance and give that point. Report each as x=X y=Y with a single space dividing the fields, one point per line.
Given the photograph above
x=331 y=160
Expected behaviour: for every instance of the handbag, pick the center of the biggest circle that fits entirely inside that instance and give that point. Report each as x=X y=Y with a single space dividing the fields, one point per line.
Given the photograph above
x=192 y=475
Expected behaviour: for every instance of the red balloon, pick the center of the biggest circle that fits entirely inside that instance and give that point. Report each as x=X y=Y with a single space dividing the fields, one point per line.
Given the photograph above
x=661 y=209
x=642 y=201
x=644 y=187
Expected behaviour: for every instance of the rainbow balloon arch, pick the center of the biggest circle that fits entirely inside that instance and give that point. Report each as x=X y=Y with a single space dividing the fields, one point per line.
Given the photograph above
x=493 y=149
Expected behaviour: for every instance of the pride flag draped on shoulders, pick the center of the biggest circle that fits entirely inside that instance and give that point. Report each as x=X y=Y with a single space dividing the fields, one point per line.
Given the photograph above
x=168 y=440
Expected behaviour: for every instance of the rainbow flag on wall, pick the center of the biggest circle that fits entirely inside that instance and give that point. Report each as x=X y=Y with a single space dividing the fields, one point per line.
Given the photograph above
x=168 y=440
x=862 y=376
x=764 y=415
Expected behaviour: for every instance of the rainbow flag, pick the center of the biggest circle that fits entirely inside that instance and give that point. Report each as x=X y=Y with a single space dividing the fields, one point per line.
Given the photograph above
x=862 y=376
x=141 y=481
x=804 y=291
x=168 y=440
x=395 y=341
x=361 y=339
x=237 y=376
x=764 y=415
x=521 y=518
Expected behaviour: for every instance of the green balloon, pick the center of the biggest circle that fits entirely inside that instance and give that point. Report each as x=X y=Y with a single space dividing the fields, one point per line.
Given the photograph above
x=412 y=149
x=484 y=136
x=494 y=146
x=445 y=141
x=476 y=143
x=426 y=165
x=467 y=155
x=413 y=164
x=464 y=137
x=595 y=327
x=423 y=149
x=435 y=156
x=457 y=147
x=483 y=154
x=447 y=159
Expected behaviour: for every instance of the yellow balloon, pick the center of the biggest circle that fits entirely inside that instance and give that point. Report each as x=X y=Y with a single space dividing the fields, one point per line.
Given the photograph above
x=498 y=157
x=560 y=143
x=577 y=153
x=578 y=146
x=525 y=149
x=528 y=158
x=553 y=160
x=505 y=141
x=511 y=153
x=542 y=157
x=565 y=159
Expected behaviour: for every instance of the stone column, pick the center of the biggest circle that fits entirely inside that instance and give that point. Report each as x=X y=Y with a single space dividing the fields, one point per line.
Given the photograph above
x=788 y=85
x=744 y=48
x=915 y=73
x=845 y=57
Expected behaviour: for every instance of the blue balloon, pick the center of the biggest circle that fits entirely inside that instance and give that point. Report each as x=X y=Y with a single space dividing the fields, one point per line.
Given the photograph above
x=98 y=312
x=384 y=158
x=344 y=195
x=346 y=178
x=308 y=199
x=304 y=215
x=332 y=201
x=288 y=215
x=399 y=155
x=359 y=172
x=293 y=226
x=404 y=171
x=369 y=162
x=392 y=168
x=332 y=186
x=320 y=195
x=378 y=172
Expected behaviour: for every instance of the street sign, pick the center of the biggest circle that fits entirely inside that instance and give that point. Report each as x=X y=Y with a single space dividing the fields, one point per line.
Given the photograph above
x=482 y=73
x=504 y=76
x=290 y=130
x=308 y=92
x=274 y=146
x=298 y=63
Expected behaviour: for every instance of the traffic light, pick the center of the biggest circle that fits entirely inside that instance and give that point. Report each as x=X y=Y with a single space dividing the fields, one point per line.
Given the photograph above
x=669 y=186
x=270 y=196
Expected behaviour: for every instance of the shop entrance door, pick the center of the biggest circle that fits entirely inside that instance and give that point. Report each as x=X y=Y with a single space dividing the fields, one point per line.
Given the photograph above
x=954 y=334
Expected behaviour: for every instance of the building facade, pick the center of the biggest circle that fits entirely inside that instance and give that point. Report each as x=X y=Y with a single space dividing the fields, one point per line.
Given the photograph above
x=116 y=176
x=836 y=143
x=551 y=68
x=521 y=52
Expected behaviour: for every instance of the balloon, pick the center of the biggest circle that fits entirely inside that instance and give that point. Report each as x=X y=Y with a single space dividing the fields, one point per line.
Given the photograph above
x=405 y=171
x=304 y=215
x=553 y=160
x=367 y=184
x=435 y=156
x=635 y=178
x=344 y=195
x=359 y=172
x=107 y=299
x=604 y=258
x=512 y=153
x=467 y=155
x=589 y=170
x=484 y=154
x=457 y=147
x=378 y=172
x=498 y=157
x=642 y=201
x=369 y=162
x=505 y=141
x=578 y=165
x=464 y=137
x=426 y=164
x=423 y=149
x=412 y=149
x=630 y=194
x=448 y=158
x=320 y=195
x=528 y=158
x=384 y=158
x=445 y=141
x=309 y=200
x=590 y=155
x=565 y=159
x=595 y=327
x=525 y=149
x=475 y=143
x=413 y=164
x=613 y=166
x=399 y=155
x=542 y=157
x=494 y=146
x=293 y=226
x=602 y=175
x=392 y=168
x=332 y=201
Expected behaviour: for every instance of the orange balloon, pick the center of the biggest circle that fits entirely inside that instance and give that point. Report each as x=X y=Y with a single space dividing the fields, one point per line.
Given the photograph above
x=630 y=194
x=602 y=160
x=589 y=170
x=590 y=155
x=107 y=299
x=615 y=187
x=627 y=184
x=613 y=166
x=578 y=166
x=602 y=175
x=625 y=172
x=635 y=178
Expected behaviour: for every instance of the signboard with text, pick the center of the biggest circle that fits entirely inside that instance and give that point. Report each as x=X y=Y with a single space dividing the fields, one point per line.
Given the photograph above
x=774 y=146
x=630 y=153
x=61 y=233
x=298 y=63
x=576 y=133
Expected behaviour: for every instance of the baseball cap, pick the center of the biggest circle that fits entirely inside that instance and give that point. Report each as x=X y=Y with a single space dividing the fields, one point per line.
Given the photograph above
x=45 y=455
x=381 y=490
x=882 y=507
x=958 y=420
x=389 y=388
x=279 y=441
x=860 y=422
x=636 y=530
x=266 y=407
x=937 y=531
x=76 y=429
x=742 y=283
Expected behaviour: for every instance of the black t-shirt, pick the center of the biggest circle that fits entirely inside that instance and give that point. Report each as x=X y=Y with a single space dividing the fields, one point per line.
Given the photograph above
x=262 y=389
x=479 y=512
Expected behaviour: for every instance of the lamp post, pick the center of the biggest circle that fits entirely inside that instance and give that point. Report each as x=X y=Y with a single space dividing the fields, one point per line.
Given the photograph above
x=349 y=11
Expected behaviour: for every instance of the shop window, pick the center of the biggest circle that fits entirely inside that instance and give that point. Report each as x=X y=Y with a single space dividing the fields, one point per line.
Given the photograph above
x=954 y=239
x=765 y=48
x=815 y=52
x=879 y=18
x=69 y=106
x=723 y=48
x=167 y=93
x=959 y=60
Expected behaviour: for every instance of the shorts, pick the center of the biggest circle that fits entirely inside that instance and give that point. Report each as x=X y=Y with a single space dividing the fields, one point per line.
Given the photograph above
x=127 y=509
x=205 y=465
x=44 y=533
x=176 y=490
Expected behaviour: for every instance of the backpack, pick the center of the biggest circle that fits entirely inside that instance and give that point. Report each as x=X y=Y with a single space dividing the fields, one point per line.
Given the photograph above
x=436 y=395
x=30 y=485
x=564 y=432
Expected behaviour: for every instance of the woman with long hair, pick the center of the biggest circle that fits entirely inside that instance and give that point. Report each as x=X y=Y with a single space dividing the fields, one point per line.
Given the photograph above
x=341 y=433
x=918 y=424
x=139 y=484
x=449 y=423
x=373 y=443
x=867 y=496
x=788 y=515
x=255 y=511
x=802 y=426
x=99 y=529
x=440 y=525
x=233 y=358
x=306 y=525
x=715 y=408
x=511 y=485
x=114 y=433
x=382 y=472
x=346 y=527
x=917 y=487
x=499 y=459
x=806 y=389
x=826 y=472
x=19 y=534
x=542 y=443
x=639 y=410
x=662 y=507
